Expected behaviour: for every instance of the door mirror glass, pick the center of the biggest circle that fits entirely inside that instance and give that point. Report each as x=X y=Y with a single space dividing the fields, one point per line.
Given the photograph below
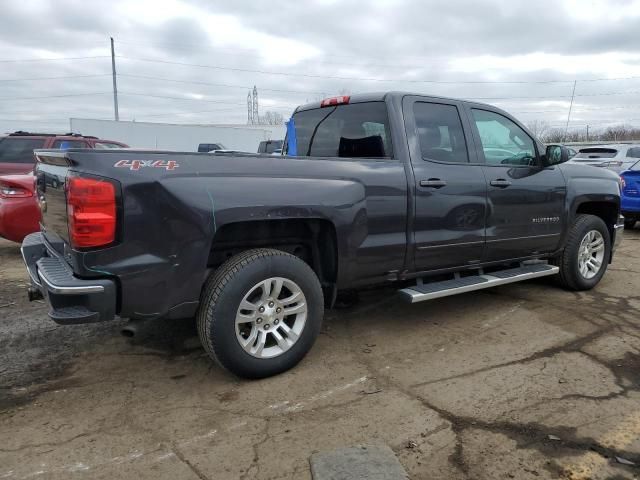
x=555 y=155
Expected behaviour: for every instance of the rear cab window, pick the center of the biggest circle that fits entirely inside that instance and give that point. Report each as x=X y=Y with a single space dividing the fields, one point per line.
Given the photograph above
x=19 y=150
x=356 y=130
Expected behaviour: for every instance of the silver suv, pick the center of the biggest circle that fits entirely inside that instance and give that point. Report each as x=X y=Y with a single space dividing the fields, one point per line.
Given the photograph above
x=614 y=157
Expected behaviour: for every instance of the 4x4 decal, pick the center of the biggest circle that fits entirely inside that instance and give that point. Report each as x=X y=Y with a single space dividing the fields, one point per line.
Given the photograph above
x=138 y=164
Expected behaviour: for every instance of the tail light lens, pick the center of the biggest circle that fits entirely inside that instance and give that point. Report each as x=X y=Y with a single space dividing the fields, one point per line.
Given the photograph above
x=12 y=190
x=91 y=210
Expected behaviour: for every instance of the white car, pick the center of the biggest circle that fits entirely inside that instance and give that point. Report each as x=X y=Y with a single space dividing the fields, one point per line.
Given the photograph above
x=614 y=157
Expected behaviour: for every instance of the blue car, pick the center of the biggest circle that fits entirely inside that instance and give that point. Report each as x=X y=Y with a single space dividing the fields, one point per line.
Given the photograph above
x=631 y=195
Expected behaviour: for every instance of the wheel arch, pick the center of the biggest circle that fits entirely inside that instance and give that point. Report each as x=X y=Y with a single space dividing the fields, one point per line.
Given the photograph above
x=314 y=240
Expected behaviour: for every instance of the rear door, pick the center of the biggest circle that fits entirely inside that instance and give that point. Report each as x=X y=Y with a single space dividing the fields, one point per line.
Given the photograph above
x=525 y=200
x=450 y=188
x=16 y=154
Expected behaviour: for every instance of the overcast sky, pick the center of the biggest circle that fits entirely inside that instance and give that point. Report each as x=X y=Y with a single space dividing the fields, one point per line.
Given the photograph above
x=296 y=52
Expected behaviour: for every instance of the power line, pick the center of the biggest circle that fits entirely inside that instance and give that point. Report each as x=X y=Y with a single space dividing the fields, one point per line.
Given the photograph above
x=193 y=82
x=252 y=52
x=368 y=79
x=54 y=96
x=52 y=78
x=190 y=99
x=52 y=59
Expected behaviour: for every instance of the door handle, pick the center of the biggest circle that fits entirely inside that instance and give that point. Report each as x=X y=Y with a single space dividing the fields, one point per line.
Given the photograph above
x=500 y=183
x=433 y=183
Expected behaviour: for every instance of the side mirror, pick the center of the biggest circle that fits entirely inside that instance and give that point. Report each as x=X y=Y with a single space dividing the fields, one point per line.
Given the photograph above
x=555 y=154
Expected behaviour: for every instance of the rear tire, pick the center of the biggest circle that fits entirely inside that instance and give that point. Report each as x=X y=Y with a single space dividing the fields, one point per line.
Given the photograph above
x=586 y=253
x=260 y=313
x=629 y=224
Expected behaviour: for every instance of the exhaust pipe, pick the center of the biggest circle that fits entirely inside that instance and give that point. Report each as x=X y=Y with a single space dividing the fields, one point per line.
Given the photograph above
x=130 y=329
x=34 y=294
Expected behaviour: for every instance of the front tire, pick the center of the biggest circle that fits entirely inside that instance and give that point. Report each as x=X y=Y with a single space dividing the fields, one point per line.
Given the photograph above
x=260 y=313
x=629 y=223
x=586 y=253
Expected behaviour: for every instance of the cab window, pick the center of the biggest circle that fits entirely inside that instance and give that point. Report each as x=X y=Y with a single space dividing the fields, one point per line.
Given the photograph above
x=440 y=133
x=359 y=130
x=503 y=142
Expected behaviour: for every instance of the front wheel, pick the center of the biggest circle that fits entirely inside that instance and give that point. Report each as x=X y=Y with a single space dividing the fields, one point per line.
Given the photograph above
x=586 y=254
x=260 y=313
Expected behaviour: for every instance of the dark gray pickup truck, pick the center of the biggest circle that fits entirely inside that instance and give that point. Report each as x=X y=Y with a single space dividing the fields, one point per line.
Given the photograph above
x=435 y=195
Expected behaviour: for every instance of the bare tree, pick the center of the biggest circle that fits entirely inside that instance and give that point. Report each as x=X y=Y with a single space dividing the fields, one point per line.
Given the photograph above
x=539 y=128
x=271 y=118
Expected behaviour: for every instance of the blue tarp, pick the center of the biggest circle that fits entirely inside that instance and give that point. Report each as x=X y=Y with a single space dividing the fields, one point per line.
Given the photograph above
x=292 y=142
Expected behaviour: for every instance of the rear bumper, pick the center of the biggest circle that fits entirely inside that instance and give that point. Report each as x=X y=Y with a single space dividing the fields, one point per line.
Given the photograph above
x=72 y=300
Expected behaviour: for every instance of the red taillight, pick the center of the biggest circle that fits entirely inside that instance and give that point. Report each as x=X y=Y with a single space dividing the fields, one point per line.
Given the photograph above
x=12 y=190
x=91 y=209
x=330 y=102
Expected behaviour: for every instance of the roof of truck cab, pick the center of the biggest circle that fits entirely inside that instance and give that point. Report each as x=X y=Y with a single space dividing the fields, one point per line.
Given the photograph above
x=382 y=96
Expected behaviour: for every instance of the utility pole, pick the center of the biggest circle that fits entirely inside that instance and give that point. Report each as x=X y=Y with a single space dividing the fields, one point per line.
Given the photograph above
x=587 y=133
x=573 y=94
x=115 y=85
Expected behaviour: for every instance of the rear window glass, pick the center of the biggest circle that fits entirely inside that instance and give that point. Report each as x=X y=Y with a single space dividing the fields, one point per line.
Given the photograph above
x=19 y=150
x=270 y=146
x=106 y=145
x=207 y=147
x=633 y=152
x=359 y=130
x=69 y=144
x=596 y=153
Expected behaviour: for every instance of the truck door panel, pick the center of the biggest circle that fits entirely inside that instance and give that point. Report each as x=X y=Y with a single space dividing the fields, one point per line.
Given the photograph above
x=450 y=192
x=525 y=201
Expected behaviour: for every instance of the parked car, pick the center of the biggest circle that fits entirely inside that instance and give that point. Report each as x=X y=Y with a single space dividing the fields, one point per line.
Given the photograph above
x=210 y=147
x=19 y=210
x=270 y=146
x=614 y=157
x=631 y=195
x=16 y=149
x=390 y=188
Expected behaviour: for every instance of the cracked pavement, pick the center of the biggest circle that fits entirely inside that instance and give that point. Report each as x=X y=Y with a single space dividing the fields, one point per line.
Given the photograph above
x=521 y=381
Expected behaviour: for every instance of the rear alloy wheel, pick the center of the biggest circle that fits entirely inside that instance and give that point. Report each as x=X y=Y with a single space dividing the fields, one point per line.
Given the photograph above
x=260 y=312
x=271 y=317
x=586 y=253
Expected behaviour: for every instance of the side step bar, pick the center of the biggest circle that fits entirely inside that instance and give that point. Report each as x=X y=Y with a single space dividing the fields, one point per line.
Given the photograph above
x=430 y=291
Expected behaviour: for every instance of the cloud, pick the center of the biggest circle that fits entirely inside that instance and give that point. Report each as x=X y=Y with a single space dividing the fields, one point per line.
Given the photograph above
x=291 y=49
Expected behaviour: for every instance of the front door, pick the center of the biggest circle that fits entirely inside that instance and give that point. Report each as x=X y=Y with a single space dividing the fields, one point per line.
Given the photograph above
x=450 y=191
x=525 y=199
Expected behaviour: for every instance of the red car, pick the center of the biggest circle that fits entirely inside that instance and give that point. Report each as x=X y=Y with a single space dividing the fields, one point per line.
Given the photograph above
x=19 y=210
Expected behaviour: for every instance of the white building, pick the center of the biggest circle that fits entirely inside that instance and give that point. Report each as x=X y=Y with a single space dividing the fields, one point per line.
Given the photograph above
x=178 y=137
